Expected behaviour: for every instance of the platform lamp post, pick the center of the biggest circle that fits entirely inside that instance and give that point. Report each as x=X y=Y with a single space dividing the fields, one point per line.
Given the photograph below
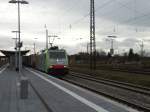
x=112 y=37
x=80 y=50
x=16 y=62
x=87 y=48
x=35 y=46
x=18 y=2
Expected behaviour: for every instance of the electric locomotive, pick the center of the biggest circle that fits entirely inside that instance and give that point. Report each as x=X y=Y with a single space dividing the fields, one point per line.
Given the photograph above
x=53 y=61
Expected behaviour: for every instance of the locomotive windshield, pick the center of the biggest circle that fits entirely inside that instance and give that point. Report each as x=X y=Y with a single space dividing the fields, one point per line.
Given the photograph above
x=57 y=55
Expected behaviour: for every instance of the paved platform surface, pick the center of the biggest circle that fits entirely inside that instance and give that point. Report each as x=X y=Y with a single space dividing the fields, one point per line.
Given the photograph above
x=58 y=95
x=10 y=96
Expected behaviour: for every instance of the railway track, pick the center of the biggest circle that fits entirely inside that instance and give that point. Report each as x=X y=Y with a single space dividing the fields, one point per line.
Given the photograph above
x=131 y=87
x=144 y=72
x=132 y=95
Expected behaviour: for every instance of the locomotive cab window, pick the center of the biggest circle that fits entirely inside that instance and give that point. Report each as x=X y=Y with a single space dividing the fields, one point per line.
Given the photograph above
x=56 y=55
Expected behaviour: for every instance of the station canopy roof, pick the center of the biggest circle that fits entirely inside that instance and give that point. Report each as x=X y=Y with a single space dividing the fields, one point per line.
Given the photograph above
x=10 y=53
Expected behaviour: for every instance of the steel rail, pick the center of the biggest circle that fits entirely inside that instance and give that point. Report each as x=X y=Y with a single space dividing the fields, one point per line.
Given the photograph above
x=125 y=101
x=115 y=82
x=116 y=85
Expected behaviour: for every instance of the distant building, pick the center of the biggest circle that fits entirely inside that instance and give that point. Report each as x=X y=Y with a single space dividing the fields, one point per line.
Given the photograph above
x=12 y=57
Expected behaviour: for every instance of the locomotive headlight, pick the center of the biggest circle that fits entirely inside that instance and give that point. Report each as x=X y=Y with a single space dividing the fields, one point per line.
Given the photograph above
x=65 y=66
x=50 y=66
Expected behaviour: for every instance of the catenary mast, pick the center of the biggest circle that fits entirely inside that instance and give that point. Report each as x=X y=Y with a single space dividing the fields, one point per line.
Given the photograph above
x=92 y=36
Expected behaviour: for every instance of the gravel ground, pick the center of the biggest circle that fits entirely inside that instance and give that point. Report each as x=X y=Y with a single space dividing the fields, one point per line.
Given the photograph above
x=138 y=79
x=133 y=97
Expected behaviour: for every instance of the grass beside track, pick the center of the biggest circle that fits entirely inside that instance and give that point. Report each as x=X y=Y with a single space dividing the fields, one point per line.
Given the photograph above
x=138 y=79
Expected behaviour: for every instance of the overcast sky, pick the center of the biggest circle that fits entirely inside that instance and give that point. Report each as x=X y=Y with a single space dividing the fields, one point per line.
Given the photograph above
x=129 y=20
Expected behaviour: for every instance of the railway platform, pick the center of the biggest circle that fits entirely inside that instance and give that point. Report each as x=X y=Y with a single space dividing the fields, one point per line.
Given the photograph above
x=49 y=94
x=10 y=100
